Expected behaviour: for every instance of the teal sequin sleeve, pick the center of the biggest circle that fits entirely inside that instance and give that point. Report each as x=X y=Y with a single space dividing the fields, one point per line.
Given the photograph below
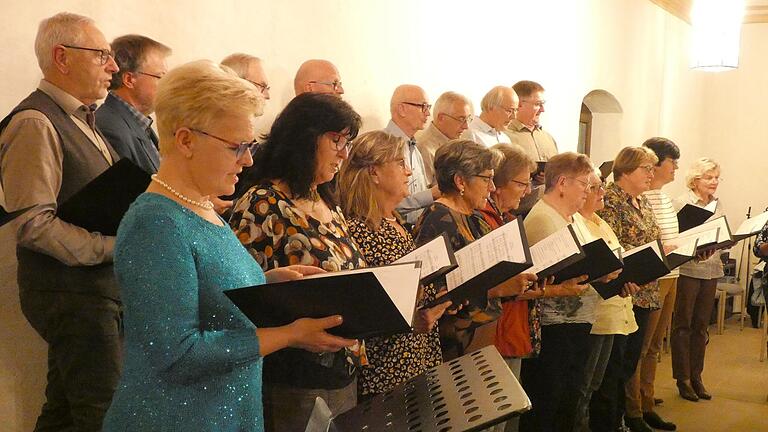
x=191 y=359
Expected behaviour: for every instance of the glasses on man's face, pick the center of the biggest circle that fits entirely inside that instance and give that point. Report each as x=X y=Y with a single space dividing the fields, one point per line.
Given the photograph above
x=104 y=55
x=462 y=120
x=425 y=107
x=263 y=87
x=335 y=84
x=538 y=104
x=509 y=111
x=238 y=148
x=149 y=74
x=340 y=141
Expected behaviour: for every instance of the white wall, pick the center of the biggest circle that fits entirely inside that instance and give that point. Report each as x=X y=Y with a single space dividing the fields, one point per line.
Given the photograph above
x=630 y=48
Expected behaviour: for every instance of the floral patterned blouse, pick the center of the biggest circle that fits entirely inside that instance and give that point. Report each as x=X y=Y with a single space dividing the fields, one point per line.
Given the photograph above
x=398 y=358
x=456 y=331
x=634 y=228
x=276 y=233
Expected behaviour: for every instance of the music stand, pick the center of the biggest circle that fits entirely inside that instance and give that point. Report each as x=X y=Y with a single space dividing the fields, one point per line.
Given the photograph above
x=470 y=393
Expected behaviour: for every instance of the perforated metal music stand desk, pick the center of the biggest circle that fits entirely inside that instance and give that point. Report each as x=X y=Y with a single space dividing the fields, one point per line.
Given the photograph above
x=470 y=393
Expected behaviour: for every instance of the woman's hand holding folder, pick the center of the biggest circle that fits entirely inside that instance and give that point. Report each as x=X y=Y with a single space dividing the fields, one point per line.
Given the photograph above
x=291 y=272
x=305 y=333
x=425 y=319
x=513 y=286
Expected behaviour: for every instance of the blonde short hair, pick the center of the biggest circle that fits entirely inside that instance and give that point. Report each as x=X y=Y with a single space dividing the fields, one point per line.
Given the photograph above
x=355 y=179
x=64 y=28
x=239 y=62
x=565 y=164
x=514 y=161
x=493 y=98
x=700 y=167
x=630 y=159
x=196 y=94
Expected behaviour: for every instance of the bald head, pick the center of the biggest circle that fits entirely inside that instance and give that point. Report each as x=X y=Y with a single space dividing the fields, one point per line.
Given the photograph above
x=318 y=76
x=409 y=107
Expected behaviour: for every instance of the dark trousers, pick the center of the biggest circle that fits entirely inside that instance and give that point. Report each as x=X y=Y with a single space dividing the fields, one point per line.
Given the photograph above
x=552 y=381
x=607 y=404
x=693 y=309
x=83 y=333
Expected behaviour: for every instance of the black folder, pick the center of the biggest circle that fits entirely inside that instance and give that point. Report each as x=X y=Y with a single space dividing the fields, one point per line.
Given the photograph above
x=102 y=203
x=358 y=297
x=641 y=268
x=475 y=290
x=606 y=168
x=599 y=261
x=442 y=271
x=6 y=217
x=676 y=260
x=541 y=166
x=691 y=216
x=565 y=263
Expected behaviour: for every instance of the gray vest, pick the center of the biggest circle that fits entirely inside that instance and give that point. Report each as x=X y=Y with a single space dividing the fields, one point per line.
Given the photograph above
x=82 y=162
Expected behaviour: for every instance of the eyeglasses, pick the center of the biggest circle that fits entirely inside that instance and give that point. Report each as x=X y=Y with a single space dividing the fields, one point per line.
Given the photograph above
x=425 y=107
x=149 y=74
x=710 y=179
x=462 y=120
x=338 y=144
x=238 y=148
x=647 y=168
x=104 y=55
x=487 y=178
x=537 y=104
x=264 y=87
x=336 y=84
x=595 y=187
x=587 y=186
x=523 y=185
x=509 y=111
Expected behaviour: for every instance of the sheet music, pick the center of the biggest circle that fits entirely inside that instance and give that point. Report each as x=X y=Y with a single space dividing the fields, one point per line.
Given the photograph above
x=400 y=281
x=501 y=244
x=711 y=207
x=553 y=249
x=724 y=233
x=433 y=256
x=753 y=225
x=688 y=248
x=703 y=237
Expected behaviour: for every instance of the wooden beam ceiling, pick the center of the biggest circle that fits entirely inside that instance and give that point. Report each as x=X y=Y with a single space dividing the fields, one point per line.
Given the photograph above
x=756 y=11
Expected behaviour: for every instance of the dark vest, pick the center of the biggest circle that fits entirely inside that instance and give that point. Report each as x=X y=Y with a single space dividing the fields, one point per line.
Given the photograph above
x=82 y=162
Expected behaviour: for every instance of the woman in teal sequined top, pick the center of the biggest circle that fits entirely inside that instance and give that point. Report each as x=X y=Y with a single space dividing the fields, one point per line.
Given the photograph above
x=192 y=361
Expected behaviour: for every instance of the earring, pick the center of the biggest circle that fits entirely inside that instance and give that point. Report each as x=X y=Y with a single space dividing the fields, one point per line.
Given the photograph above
x=461 y=192
x=562 y=195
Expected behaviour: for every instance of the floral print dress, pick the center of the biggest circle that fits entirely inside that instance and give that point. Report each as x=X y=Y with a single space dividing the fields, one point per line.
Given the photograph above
x=277 y=234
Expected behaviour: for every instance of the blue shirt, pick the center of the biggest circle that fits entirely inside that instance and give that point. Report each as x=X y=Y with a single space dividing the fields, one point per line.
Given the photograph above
x=191 y=358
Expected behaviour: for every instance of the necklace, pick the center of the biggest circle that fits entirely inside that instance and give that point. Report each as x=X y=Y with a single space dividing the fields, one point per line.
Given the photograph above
x=207 y=205
x=390 y=219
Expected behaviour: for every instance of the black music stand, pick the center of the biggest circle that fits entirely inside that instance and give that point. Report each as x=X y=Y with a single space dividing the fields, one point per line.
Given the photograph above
x=470 y=393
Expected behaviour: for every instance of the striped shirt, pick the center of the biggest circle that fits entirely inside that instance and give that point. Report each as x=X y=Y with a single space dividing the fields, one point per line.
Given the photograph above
x=666 y=219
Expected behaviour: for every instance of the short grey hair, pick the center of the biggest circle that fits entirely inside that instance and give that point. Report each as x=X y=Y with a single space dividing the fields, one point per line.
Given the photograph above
x=700 y=167
x=239 y=62
x=64 y=28
x=446 y=100
x=493 y=98
x=464 y=158
x=130 y=54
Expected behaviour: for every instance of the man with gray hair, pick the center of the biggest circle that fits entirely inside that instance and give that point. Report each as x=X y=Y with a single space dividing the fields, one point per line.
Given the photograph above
x=497 y=109
x=249 y=68
x=124 y=116
x=450 y=117
x=318 y=76
x=50 y=148
x=409 y=109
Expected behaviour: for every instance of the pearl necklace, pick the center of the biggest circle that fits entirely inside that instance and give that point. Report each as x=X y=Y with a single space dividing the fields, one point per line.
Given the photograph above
x=207 y=205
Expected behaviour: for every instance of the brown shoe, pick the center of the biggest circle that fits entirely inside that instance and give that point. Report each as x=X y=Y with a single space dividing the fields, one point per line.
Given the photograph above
x=686 y=391
x=700 y=391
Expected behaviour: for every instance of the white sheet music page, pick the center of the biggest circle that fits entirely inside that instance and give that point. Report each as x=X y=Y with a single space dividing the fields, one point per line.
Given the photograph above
x=702 y=237
x=688 y=248
x=753 y=225
x=654 y=245
x=553 y=249
x=502 y=244
x=433 y=256
x=723 y=234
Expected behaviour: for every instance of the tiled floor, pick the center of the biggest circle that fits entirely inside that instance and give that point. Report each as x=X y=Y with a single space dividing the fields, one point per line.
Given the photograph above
x=736 y=378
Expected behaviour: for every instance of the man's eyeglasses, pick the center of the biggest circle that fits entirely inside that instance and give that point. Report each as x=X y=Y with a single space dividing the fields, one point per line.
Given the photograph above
x=104 y=55
x=264 y=87
x=149 y=74
x=425 y=107
x=509 y=111
x=238 y=148
x=462 y=120
x=340 y=141
x=336 y=84
x=537 y=104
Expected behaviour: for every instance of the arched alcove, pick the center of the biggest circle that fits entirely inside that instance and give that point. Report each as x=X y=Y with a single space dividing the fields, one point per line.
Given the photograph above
x=600 y=125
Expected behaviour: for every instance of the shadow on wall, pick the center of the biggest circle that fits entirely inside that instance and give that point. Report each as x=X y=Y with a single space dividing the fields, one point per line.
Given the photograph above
x=600 y=126
x=23 y=354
